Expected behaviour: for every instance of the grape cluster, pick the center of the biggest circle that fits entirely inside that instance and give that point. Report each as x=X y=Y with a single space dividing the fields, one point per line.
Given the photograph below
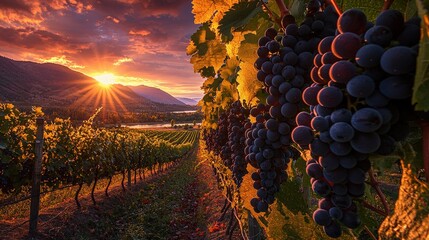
x=284 y=63
x=237 y=123
x=265 y=152
x=359 y=104
x=228 y=139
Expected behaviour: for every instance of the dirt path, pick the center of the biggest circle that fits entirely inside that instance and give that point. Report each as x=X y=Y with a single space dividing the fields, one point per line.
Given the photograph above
x=184 y=202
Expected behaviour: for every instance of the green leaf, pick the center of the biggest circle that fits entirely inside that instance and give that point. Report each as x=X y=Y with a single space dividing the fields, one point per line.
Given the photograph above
x=421 y=83
x=236 y=18
x=372 y=8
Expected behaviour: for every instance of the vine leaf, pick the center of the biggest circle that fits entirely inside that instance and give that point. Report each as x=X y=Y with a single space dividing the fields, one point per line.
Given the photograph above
x=206 y=51
x=236 y=18
x=421 y=84
x=248 y=86
x=206 y=10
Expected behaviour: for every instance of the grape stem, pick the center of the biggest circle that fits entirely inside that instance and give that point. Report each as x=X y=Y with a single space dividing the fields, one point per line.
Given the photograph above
x=271 y=14
x=283 y=9
x=372 y=208
x=335 y=5
x=386 y=5
x=374 y=184
x=425 y=130
x=369 y=232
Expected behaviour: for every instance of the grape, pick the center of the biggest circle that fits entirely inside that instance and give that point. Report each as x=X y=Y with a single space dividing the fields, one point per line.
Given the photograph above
x=369 y=56
x=410 y=35
x=325 y=45
x=289 y=110
x=329 y=58
x=398 y=60
x=325 y=203
x=341 y=201
x=336 y=176
x=366 y=142
x=376 y=99
x=293 y=95
x=262 y=206
x=392 y=19
x=361 y=86
x=267 y=67
x=333 y=230
x=288 y=20
x=329 y=162
x=379 y=35
x=305 y=60
x=309 y=95
x=323 y=72
x=273 y=46
x=336 y=213
x=367 y=120
x=314 y=170
x=346 y=45
x=340 y=148
x=356 y=176
x=304 y=119
x=263 y=41
x=352 y=20
x=319 y=148
x=319 y=124
x=341 y=115
x=350 y=219
x=263 y=52
x=356 y=190
x=292 y=30
x=322 y=217
x=348 y=162
x=284 y=87
x=302 y=135
x=284 y=128
x=396 y=87
x=341 y=132
x=271 y=33
x=330 y=97
x=342 y=71
x=290 y=58
x=339 y=189
x=288 y=72
x=321 y=188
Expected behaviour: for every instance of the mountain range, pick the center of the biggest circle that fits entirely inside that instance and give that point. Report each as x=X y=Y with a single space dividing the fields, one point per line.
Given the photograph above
x=27 y=84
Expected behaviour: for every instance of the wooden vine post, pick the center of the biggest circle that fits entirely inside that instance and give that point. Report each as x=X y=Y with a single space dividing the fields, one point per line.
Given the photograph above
x=35 y=190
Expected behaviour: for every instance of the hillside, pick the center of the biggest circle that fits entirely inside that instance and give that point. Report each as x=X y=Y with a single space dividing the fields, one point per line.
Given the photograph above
x=155 y=95
x=189 y=101
x=49 y=85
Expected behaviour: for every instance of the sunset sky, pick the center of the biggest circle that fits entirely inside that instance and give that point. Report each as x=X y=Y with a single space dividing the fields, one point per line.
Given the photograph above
x=139 y=41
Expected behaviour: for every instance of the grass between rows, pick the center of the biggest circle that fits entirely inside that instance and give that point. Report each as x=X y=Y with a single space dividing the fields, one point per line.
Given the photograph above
x=154 y=211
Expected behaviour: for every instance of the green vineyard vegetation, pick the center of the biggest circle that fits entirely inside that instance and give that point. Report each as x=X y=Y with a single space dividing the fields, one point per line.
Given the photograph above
x=76 y=155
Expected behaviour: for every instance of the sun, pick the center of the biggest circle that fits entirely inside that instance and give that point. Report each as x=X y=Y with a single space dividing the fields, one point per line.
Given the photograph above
x=105 y=79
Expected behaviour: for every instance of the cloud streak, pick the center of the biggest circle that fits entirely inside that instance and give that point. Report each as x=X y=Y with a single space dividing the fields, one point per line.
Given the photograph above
x=142 y=41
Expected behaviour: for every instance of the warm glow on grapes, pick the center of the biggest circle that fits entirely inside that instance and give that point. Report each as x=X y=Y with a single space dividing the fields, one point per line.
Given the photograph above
x=105 y=79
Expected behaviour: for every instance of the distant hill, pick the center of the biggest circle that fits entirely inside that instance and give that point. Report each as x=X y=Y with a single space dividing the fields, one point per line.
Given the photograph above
x=189 y=101
x=49 y=85
x=155 y=95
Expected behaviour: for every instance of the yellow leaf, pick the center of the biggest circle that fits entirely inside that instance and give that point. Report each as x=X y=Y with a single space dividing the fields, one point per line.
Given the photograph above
x=248 y=84
x=205 y=10
x=233 y=46
x=214 y=56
